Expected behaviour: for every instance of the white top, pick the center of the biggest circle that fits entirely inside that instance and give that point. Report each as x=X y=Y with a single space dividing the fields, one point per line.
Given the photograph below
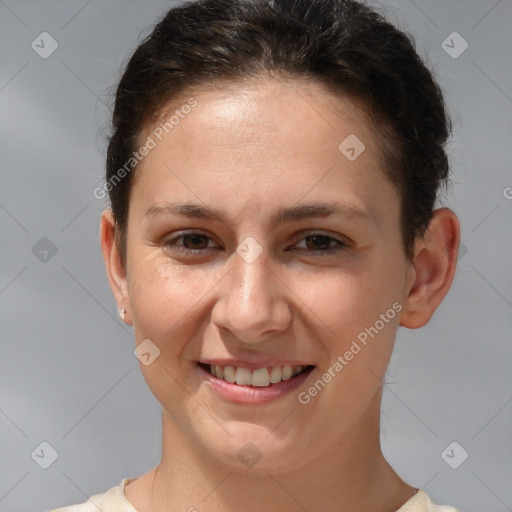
x=114 y=500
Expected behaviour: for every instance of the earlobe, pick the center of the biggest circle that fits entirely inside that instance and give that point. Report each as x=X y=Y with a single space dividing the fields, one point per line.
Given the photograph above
x=114 y=266
x=434 y=263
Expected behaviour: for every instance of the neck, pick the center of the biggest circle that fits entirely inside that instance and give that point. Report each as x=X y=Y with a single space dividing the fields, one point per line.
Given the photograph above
x=350 y=476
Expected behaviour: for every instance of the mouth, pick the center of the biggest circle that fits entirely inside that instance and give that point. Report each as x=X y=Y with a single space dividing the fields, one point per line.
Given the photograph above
x=257 y=385
x=258 y=377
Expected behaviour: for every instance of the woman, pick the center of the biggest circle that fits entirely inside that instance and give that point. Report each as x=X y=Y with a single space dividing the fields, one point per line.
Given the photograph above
x=272 y=172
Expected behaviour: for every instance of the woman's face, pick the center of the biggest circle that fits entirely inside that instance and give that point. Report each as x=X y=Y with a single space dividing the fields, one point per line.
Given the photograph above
x=255 y=240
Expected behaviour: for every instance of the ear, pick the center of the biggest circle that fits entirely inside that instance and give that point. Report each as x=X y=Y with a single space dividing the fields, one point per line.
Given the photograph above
x=116 y=272
x=435 y=261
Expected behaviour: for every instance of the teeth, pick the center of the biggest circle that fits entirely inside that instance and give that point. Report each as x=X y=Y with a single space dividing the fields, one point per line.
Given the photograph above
x=243 y=376
x=261 y=377
x=287 y=373
x=275 y=375
x=229 y=374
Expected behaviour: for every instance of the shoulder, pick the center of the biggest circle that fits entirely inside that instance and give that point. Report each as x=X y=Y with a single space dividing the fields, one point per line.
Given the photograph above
x=421 y=502
x=83 y=507
x=113 y=500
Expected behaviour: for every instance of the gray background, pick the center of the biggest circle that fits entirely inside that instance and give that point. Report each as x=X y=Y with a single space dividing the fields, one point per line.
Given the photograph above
x=68 y=376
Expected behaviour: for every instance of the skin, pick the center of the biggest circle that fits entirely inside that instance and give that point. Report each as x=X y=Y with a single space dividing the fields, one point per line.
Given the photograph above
x=249 y=150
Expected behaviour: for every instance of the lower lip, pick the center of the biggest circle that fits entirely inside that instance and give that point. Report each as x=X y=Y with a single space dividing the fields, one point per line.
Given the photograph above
x=253 y=394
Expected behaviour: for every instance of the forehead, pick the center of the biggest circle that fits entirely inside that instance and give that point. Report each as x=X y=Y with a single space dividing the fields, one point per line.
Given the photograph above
x=264 y=108
x=264 y=139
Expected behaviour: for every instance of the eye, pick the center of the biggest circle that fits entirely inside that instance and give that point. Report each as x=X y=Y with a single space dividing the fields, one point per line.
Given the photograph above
x=193 y=242
x=320 y=244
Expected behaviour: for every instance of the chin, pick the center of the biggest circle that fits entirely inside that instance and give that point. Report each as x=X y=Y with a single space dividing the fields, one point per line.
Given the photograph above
x=256 y=451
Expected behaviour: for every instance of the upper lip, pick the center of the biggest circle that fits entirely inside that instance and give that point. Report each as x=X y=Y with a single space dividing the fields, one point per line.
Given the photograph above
x=253 y=365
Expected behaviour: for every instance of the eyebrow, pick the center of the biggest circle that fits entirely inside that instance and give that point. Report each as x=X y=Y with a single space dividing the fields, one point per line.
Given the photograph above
x=292 y=213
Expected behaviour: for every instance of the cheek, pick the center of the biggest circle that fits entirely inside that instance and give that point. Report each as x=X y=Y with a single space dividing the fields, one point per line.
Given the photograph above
x=362 y=312
x=347 y=302
x=165 y=298
x=337 y=299
x=361 y=309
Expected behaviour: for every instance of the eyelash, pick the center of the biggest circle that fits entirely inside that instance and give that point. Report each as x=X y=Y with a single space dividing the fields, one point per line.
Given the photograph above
x=319 y=252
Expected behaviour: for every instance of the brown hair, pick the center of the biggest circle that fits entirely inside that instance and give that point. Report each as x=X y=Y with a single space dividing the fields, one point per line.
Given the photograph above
x=342 y=44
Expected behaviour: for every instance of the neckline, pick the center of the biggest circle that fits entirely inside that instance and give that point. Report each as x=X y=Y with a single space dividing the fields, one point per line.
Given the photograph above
x=418 y=498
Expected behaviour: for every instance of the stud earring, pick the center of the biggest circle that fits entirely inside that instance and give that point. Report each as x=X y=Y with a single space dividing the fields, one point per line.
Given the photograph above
x=122 y=313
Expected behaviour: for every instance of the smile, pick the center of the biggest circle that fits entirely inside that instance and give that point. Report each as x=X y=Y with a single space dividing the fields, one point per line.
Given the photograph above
x=253 y=385
x=259 y=377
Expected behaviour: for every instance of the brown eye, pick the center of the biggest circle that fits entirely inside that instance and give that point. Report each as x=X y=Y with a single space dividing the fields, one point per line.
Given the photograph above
x=318 y=242
x=195 y=241
x=321 y=244
x=191 y=242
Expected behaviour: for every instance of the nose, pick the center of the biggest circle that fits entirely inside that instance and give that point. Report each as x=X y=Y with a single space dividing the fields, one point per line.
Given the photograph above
x=253 y=302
